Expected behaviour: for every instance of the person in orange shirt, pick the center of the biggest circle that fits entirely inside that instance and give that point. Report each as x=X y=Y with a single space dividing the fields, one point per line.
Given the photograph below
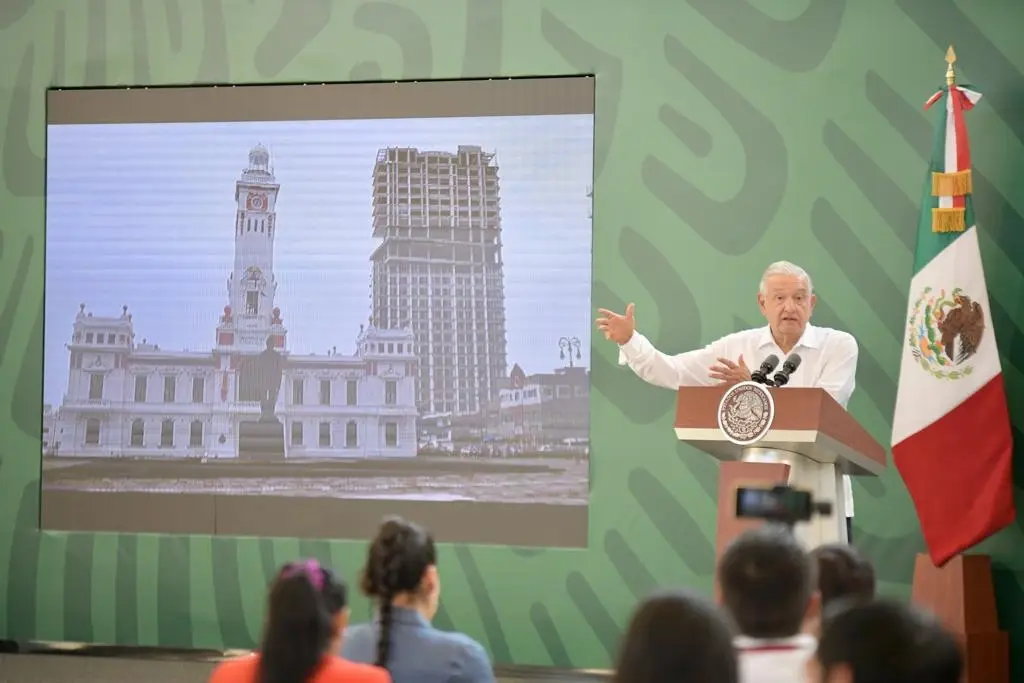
x=307 y=612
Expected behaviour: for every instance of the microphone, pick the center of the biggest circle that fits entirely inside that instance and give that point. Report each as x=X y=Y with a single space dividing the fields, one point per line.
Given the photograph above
x=767 y=365
x=788 y=368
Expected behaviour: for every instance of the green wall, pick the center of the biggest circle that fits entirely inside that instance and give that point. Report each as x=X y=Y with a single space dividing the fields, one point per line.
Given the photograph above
x=730 y=133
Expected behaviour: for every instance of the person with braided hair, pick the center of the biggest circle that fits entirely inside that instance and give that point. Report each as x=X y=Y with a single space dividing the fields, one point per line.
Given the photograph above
x=306 y=615
x=401 y=578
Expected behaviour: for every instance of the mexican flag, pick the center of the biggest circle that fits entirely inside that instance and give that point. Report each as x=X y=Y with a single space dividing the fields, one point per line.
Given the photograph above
x=951 y=438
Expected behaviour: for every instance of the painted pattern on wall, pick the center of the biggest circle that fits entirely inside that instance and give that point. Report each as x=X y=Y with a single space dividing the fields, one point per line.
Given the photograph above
x=730 y=133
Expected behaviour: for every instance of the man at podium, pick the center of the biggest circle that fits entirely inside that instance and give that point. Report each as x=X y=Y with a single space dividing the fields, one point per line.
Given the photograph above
x=828 y=358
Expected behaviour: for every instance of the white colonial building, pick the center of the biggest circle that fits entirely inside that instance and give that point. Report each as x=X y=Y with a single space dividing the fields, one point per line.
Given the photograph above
x=130 y=399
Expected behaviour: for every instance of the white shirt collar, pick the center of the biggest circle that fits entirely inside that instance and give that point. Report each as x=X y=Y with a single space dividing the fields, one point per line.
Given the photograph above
x=810 y=339
x=801 y=641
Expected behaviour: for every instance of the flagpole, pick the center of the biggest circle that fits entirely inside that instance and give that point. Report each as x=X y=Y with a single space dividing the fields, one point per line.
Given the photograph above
x=950 y=61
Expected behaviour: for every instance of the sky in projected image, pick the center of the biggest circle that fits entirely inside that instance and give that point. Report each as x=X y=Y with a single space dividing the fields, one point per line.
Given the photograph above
x=143 y=215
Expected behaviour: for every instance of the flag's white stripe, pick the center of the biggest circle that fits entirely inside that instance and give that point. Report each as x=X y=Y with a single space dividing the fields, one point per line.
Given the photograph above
x=950 y=159
x=921 y=398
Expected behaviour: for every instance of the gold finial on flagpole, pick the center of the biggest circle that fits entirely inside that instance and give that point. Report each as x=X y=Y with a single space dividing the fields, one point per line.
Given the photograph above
x=950 y=61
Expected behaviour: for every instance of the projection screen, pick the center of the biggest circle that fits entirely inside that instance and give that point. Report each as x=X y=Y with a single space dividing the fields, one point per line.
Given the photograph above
x=291 y=310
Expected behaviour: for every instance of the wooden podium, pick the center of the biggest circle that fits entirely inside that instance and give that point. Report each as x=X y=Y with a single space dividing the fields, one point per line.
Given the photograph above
x=810 y=443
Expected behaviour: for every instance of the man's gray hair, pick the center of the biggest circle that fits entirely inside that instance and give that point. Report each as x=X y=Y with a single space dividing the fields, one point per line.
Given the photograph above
x=785 y=268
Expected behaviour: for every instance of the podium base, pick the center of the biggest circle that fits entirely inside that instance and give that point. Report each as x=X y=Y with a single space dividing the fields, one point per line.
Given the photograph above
x=961 y=594
x=736 y=475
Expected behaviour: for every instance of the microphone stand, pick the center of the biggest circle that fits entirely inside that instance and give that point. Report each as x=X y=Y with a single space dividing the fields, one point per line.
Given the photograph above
x=785 y=375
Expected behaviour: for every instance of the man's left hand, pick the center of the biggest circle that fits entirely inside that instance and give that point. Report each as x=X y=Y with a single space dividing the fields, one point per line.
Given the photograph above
x=729 y=372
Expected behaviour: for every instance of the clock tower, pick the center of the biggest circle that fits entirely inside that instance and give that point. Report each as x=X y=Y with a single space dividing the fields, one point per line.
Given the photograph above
x=251 y=316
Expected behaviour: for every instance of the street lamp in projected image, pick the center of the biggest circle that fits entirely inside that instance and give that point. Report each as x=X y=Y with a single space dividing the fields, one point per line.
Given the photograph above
x=569 y=345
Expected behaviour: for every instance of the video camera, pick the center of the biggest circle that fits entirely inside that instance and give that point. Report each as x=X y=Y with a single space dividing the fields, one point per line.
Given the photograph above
x=780 y=504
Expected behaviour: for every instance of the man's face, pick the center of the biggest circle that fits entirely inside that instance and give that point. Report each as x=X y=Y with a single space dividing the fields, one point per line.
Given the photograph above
x=786 y=305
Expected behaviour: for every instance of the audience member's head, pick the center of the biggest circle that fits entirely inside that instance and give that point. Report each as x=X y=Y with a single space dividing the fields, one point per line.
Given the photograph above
x=677 y=638
x=400 y=571
x=883 y=642
x=767 y=583
x=306 y=614
x=843 y=573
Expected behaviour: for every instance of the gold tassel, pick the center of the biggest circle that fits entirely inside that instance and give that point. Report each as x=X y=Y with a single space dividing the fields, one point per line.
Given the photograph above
x=956 y=184
x=948 y=220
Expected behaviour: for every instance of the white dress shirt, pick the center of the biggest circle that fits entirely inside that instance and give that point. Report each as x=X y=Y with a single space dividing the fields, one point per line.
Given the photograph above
x=774 y=661
x=828 y=361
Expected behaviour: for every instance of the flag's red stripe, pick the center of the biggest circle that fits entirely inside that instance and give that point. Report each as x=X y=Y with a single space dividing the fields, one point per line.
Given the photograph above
x=963 y=144
x=958 y=472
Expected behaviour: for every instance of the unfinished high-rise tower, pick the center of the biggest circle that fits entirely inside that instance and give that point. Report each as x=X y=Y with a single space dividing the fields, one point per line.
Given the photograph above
x=438 y=270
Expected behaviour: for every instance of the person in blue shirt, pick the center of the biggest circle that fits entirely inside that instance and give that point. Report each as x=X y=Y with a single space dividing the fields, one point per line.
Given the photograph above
x=401 y=578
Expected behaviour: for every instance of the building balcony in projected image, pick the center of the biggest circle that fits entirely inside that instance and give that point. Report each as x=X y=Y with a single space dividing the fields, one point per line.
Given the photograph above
x=129 y=398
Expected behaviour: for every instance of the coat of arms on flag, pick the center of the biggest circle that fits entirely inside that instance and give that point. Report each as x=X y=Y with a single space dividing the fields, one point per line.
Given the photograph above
x=945 y=331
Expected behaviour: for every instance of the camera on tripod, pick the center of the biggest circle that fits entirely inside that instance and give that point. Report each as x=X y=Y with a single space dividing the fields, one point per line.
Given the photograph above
x=780 y=504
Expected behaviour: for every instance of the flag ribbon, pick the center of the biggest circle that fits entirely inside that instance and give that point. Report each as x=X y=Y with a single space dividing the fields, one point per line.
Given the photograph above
x=952 y=182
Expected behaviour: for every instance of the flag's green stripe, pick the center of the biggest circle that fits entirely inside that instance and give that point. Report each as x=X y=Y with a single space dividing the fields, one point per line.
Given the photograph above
x=930 y=244
x=969 y=211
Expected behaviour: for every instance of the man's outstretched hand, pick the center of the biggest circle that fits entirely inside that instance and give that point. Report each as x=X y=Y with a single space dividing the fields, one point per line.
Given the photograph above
x=617 y=328
x=729 y=372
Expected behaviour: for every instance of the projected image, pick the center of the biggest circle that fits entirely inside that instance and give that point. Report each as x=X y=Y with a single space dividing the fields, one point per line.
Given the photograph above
x=356 y=309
